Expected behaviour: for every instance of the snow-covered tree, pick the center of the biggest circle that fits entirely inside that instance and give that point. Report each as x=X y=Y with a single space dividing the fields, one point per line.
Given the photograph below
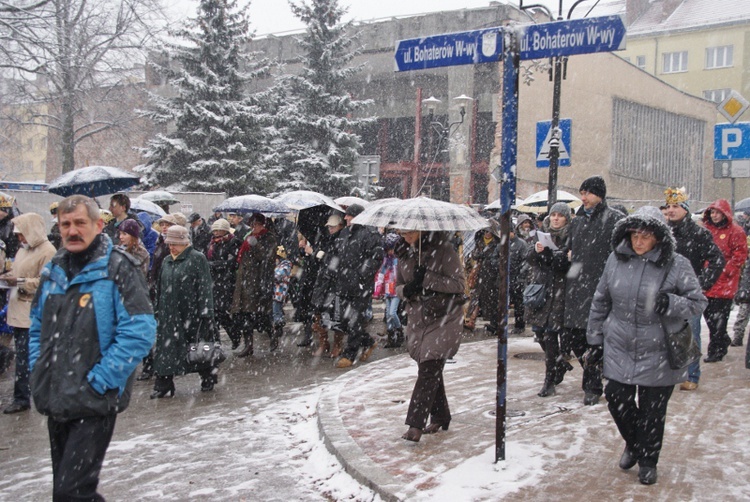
x=318 y=144
x=217 y=133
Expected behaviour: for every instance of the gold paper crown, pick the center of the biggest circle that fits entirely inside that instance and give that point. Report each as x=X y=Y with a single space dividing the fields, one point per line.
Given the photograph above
x=281 y=252
x=6 y=202
x=675 y=195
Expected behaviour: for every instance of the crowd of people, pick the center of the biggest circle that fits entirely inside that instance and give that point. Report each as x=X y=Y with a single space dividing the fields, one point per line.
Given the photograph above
x=125 y=288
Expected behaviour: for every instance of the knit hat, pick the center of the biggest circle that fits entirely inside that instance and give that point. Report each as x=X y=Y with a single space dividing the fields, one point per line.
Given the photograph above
x=130 y=227
x=221 y=224
x=354 y=209
x=194 y=217
x=281 y=252
x=594 y=185
x=561 y=208
x=5 y=201
x=177 y=234
x=677 y=196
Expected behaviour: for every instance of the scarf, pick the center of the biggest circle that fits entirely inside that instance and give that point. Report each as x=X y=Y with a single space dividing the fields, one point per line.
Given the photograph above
x=216 y=241
x=246 y=245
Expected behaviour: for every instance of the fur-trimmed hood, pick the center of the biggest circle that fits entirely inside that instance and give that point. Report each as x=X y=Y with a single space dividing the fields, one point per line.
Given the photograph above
x=646 y=217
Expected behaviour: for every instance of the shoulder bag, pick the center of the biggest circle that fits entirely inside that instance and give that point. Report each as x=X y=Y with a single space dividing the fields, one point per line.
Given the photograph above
x=534 y=295
x=682 y=350
x=206 y=352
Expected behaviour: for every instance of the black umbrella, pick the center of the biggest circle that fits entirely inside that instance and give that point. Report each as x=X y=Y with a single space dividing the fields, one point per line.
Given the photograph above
x=311 y=222
x=93 y=181
x=742 y=205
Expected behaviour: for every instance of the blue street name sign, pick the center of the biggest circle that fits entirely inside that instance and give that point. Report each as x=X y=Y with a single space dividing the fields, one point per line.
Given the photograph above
x=732 y=141
x=543 y=135
x=566 y=38
x=449 y=49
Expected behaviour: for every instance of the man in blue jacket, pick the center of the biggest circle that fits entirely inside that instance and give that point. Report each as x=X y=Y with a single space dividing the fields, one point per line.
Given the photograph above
x=91 y=324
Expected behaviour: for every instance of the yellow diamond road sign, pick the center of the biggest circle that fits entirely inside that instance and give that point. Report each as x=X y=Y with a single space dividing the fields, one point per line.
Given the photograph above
x=733 y=106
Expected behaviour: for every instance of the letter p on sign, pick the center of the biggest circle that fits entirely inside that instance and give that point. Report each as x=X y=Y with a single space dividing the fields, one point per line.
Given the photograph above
x=730 y=138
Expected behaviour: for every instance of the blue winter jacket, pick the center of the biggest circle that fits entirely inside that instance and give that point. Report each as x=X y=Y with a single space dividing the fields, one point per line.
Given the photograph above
x=88 y=334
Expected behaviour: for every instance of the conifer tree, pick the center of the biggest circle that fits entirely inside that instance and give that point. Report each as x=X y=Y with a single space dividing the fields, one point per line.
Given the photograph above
x=318 y=144
x=217 y=134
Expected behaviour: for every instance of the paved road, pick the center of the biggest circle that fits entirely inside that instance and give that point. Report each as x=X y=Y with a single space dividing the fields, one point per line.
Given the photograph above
x=254 y=438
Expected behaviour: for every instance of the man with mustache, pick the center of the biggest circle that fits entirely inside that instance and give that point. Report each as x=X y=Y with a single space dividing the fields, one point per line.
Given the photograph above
x=91 y=323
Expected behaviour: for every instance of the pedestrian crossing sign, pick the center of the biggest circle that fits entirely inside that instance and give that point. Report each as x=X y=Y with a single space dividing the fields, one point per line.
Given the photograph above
x=543 y=137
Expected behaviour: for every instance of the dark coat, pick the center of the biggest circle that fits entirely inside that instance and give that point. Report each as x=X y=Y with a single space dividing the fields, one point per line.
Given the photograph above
x=430 y=337
x=161 y=251
x=326 y=263
x=253 y=292
x=697 y=245
x=184 y=310
x=549 y=268
x=487 y=257
x=222 y=258
x=622 y=313
x=590 y=242
x=200 y=236
x=7 y=236
x=360 y=256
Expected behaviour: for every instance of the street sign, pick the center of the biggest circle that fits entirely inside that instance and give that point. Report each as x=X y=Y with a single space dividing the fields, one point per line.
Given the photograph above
x=449 y=49
x=732 y=141
x=566 y=38
x=733 y=106
x=732 y=168
x=543 y=136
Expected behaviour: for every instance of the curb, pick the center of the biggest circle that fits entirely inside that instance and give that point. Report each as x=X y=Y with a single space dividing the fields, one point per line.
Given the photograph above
x=341 y=445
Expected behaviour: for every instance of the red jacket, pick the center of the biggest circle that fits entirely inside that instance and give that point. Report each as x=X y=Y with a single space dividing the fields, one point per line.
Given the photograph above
x=731 y=240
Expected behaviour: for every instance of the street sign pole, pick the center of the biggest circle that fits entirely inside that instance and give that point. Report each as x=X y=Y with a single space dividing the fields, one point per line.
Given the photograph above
x=554 y=148
x=507 y=190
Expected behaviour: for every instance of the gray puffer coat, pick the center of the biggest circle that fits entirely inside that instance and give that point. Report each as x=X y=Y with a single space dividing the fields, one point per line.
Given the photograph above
x=622 y=316
x=436 y=316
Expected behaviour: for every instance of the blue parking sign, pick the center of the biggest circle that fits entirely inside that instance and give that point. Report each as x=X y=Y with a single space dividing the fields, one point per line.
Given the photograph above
x=732 y=141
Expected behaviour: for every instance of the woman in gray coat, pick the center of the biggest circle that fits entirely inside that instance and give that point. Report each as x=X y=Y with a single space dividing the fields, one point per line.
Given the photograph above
x=633 y=305
x=431 y=280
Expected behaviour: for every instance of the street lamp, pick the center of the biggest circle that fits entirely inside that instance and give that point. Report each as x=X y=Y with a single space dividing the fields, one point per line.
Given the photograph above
x=444 y=132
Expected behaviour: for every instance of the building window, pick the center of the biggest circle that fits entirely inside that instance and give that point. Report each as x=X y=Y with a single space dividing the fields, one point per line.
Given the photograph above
x=716 y=95
x=719 y=57
x=640 y=62
x=658 y=147
x=675 y=62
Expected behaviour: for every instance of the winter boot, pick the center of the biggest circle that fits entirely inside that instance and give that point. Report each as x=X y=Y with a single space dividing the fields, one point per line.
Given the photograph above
x=391 y=343
x=248 y=350
x=563 y=367
x=737 y=340
x=338 y=344
x=399 y=337
x=278 y=330
x=548 y=389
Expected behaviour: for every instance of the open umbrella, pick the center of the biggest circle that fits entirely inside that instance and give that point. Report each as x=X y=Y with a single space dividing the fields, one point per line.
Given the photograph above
x=742 y=205
x=496 y=205
x=537 y=202
x=421 y=213
x=138 y=204
x=160 y=197
x=93 y=181
x=348 y=200
x=303 y=199
x=244 y=204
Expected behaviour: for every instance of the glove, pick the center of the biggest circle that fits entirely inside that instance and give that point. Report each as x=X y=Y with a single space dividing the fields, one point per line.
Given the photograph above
x=593 y=356
x=661 y=305
x=415 y=286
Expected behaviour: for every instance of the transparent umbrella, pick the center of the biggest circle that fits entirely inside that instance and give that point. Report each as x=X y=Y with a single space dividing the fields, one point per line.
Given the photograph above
x=537 y=202
x=160 y=197
x=244 y=204
x=138 y=204
x=303 y=199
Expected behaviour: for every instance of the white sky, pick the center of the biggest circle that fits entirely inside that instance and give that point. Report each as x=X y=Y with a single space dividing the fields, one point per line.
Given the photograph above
x=274 y=16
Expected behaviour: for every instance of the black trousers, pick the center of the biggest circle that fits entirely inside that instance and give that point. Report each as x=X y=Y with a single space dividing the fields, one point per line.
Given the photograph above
x=428 y=397
x=516 y=298
x=78 y=448
x=353 y=322
x=21 y=389
x=575 y=339
x=245 y=323
x=717 y=317
x=641 y=424
x=226 y=321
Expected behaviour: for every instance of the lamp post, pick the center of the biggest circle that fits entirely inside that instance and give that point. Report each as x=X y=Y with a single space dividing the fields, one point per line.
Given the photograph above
x=444 y=132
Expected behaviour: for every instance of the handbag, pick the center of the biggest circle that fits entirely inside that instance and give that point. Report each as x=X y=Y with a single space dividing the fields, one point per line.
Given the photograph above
x=205 y=353
x=682 y=350
x=534 y=295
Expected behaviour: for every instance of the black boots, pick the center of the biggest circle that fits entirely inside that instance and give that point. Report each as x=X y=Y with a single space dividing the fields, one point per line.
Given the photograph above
x=548 y=389
x=248 y=350
x=164 y=385
x=628 y=459
x=647 y=475
x=395 y=338
x=278 y=330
